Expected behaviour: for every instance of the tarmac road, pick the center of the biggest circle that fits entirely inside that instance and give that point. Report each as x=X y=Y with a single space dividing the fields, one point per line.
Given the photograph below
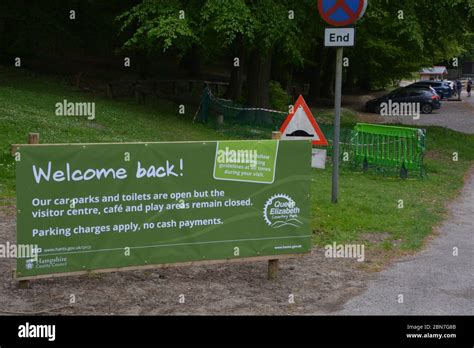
x=434 y=281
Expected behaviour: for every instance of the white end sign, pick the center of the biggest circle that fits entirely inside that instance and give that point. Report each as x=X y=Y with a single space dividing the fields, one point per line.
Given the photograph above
x=339 y=37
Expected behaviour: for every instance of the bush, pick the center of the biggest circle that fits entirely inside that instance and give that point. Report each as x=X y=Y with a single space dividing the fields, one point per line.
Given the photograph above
x=279 y=100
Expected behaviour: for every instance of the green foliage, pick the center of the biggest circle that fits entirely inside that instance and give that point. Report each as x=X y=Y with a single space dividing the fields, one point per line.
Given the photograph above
x=468 y=49
x=274 y=29
x=160 y=24
x=393 y=44
x=390 y=44
x=279 y=99
x=217 y=25
x=227 y=21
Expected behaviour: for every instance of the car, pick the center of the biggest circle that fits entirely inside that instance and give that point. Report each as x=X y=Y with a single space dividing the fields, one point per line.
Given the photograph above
x=442 y=88
x=427 y=99
x=424 y=87
x=450 y=83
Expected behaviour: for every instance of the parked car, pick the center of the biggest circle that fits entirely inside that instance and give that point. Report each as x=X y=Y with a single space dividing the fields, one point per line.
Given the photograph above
x=442 y=88
x=427 y=99
x=450 y=83
x=425 y=87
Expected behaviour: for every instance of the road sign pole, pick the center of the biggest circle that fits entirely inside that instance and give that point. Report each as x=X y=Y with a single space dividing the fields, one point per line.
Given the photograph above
x=337 y=125
x=338 y=14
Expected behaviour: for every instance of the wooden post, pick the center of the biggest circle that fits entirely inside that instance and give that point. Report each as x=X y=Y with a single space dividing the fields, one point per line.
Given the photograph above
x=273 y=264
x=33 y=138
x=24 y=284
x=220 y=120
x=273 y=269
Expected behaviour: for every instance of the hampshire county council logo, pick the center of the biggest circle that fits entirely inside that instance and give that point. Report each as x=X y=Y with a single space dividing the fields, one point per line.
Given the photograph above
x=280 y=210
x=29 y=264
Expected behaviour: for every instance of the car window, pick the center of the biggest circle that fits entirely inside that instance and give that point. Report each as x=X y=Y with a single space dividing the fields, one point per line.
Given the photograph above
x=422 y=85
x=425 y=88
x=393 y=93
x=415 y=94
x=400 y=94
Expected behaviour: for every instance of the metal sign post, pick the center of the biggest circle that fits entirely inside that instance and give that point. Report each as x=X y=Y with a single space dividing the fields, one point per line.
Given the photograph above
x=339 y=13
x=337 y=124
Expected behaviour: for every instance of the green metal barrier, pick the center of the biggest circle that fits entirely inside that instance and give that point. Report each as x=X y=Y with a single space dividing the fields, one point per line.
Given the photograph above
x=402 y=148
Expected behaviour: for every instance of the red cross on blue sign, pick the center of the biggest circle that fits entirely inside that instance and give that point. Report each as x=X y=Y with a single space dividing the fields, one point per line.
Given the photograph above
x=341 y=12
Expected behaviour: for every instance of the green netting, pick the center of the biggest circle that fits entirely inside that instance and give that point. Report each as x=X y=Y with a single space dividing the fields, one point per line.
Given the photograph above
x=233 y=112
x=345 y=139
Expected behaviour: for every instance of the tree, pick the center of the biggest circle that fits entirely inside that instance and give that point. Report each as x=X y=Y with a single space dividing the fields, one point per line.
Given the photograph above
x=229 y=28
x=396 y=39
x=253 y=30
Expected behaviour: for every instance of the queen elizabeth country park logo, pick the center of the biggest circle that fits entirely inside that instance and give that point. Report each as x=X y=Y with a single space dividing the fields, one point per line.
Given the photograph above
x=280 y=210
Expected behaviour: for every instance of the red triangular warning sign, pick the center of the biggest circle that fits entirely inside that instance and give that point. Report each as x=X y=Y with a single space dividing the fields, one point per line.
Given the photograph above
x=300 y=124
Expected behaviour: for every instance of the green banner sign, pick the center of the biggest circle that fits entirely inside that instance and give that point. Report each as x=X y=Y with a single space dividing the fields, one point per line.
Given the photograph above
x=99 y=206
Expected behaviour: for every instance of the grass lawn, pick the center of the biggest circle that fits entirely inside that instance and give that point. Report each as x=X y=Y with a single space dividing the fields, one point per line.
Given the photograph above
x=368 y=203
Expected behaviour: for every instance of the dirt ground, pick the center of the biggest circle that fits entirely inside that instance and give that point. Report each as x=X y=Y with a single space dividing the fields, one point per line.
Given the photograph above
x=319 y=285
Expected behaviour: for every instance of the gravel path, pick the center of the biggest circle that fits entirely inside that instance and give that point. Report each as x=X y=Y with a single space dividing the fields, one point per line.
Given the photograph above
x=434 y=281
x=455 y=115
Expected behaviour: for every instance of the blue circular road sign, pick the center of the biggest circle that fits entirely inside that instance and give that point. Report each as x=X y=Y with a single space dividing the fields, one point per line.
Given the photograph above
x=341 y=12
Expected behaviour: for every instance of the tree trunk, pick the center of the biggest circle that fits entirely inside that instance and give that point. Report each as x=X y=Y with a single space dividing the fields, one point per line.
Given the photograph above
x=329 y=74
x=142 y=64
x=258 y=81
x=364 y=83
x=191 y=62
x=349 y=85
x=315 y=74
x=3 y=39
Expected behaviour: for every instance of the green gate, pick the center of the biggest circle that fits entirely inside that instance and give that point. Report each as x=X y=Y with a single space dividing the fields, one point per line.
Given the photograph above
x=402 y=148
